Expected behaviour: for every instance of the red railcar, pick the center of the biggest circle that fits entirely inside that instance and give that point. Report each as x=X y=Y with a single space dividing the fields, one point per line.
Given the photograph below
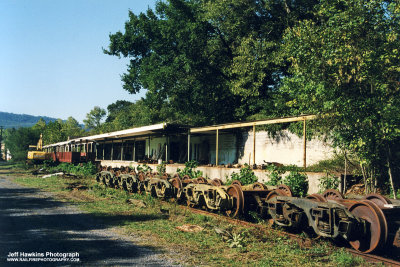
x=73 y=157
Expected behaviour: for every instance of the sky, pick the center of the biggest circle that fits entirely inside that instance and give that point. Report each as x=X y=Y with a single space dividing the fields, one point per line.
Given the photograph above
x=51 y=58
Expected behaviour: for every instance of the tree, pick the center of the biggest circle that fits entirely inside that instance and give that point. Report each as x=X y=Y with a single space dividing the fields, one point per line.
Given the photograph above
x=94 y=118
x=71 y=128
x=53 y=133
x=346 y=64
x=209 y=61
x=18 y=140
x=116 y=108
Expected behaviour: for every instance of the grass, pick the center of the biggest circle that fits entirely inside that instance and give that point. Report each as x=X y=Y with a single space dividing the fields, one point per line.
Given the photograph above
x=258 y=248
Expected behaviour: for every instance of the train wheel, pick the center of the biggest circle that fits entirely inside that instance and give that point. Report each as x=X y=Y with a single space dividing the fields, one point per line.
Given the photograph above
x=258 y=186
x=201 y=180
x=177 y=183
x=237 y=183
x=186 y=179
x=378 y=229
x=378 y=199
x=275 y=193
x=332 y=194
x=286 y=189
x=236 y=193
x=316 y=197
x=216 y=182
x=141 y=176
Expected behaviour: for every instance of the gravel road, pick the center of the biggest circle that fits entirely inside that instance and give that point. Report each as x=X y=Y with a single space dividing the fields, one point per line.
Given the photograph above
x=33 y=221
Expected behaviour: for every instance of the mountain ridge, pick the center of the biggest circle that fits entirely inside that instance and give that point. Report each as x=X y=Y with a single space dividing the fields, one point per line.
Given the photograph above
x=12 y=120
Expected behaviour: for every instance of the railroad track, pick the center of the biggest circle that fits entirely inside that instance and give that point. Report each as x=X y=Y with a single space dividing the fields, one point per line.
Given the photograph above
x=301 y=240
x=374 y=258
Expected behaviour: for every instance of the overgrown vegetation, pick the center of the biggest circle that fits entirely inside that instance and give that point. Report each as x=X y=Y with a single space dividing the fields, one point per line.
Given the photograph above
x=275 y=175
x=329 y=181
x=189 y=170
x=162 y=168
x=143 y=168
x=81 y=169
x=245 y=176
x=298 y=182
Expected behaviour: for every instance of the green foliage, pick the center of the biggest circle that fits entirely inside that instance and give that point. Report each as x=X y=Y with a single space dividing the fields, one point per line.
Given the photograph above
x=81 y=169
x=245 y=176
x=143 y=168
x=329 y=181
x=298 y=182
x=94 y=118
x=208 y=61
x=162 y=168
x=18 y=141
x=345 y=63
x=189 y=170
x=275 y=175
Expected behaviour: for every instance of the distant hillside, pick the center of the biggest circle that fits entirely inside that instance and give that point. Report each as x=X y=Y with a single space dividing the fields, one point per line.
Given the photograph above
x=10 y=120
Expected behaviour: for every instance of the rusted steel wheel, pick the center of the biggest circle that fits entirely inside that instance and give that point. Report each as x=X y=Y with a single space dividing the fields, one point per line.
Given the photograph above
x=201 y=180
x=332 y=194
x=236 y=193
x=258 y=186
x=186 y=179
x=316 y=197
x=378 y=199
x=275 y=193
x=166 y=176
x=216 y=182
x=177 y=183
x=176 y=176
x=237 y=183
x=376 y=235
x=286 y=189
x=141 y=176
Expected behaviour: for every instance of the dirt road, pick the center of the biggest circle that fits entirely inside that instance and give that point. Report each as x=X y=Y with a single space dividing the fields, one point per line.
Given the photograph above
x=31 y=221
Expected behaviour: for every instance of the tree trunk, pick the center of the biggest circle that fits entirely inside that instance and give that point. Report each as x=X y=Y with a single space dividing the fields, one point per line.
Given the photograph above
x=390 y=174
x=345 y=174
x=365 y=179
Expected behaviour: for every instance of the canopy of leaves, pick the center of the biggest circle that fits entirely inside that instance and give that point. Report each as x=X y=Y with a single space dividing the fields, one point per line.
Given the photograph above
x=346 y=63
x=208 y=61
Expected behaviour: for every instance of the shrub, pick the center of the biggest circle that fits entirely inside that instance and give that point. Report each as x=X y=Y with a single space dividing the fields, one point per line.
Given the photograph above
x=162 y=168
x=143 y=168
x=298 y=182
x=275 y=175
x=189 y=170
x=245 y=176
x=329 y=181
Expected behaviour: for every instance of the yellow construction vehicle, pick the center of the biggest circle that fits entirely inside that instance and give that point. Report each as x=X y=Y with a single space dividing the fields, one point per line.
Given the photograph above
x=36 y=153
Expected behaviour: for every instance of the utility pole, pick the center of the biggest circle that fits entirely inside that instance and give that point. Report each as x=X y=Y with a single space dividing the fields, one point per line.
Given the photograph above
x=1 y=143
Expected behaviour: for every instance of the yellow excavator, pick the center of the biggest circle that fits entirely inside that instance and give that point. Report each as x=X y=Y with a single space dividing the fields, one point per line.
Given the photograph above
x=36 y=153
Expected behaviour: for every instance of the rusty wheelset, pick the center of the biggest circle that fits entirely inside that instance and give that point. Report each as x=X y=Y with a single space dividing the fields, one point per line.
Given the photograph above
x=368 y=224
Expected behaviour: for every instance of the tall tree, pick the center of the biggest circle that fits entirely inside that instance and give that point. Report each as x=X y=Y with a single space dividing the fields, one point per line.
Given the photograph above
x=94 y=118
x=71 y=128
x=346 y=64
x=209 y=61
x=18 y=141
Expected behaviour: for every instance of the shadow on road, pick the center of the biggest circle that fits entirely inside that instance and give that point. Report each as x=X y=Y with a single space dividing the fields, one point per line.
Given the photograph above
x=41 y=224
